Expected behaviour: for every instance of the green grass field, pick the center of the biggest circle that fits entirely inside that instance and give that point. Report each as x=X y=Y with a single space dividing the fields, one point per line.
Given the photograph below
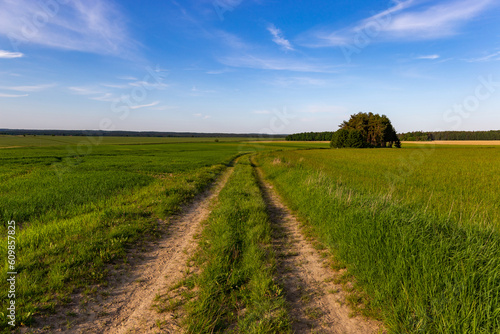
x=76 y=213
x=9 y=141
x=418 y=228
x=78 y=207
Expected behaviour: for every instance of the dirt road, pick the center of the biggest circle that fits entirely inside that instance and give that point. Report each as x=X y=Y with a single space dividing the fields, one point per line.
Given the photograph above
x=125 y=306
x=317 y=304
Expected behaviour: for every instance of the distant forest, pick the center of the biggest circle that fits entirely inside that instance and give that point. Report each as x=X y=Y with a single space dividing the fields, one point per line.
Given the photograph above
x=450 y=135
x=409 y=136
x=132 y=133
x=311 y=136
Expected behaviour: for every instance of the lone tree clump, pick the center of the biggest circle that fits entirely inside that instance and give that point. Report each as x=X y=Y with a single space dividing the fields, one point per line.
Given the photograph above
x=366 y=130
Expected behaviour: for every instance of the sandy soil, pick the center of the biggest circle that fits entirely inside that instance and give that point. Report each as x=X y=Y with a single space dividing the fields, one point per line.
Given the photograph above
x=455 y=142
x=317 y=305
x=125 y=306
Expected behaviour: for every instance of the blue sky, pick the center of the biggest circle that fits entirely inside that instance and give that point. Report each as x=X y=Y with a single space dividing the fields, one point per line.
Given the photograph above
x=248 y=66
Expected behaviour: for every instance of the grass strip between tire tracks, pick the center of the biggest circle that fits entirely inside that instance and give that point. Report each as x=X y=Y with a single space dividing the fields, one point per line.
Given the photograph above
x=236 y=287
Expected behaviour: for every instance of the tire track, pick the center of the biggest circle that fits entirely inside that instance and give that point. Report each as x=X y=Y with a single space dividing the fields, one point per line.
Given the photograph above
x=126 y=306
x=317 y=305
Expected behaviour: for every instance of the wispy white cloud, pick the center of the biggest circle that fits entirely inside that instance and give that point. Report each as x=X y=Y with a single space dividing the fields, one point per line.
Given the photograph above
x=149 y=85
x=145 y=105
x=230 y=40
x=103 y=96
x=12 y=74
x=195 y=91
x=36 y=88
x=430 y=57
x=95 y=26
x=158 y=69
x=202 y=116
x=298 y=81
x=128 y=78
x=326 y=37
x=12 y=95
x=105 y=92
x=278 y=38
x=277 y=64
x=436 y=21
x=85 y=90
x=490 y=57
x=9 y=55
x=95 y=93
x=107 y=97
x=164 y=107
x=406 y=20
x=115 y=86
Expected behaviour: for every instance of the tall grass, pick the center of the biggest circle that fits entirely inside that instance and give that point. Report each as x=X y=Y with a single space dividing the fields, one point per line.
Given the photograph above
x=236 y=287
x=428 y=270
x=459 y=183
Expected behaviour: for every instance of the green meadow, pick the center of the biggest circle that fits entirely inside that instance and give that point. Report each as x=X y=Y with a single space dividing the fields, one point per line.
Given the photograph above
x=79 y=204
x=417 y=228
x=10 y=141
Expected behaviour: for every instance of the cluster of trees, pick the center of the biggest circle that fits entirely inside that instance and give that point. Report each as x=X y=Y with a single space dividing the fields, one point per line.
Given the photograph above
x=366 y=130
x=311 y=136
x=450 y=135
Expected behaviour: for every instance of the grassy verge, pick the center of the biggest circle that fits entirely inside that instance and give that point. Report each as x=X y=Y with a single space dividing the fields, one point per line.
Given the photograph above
x=56 y=257
x=236 y=289
x=426 y=272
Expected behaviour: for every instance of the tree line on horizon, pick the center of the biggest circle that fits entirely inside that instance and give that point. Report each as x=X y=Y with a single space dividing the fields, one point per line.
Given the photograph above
x=450 y=135
x=371 y=130
x=311 y=136
x=124 y=133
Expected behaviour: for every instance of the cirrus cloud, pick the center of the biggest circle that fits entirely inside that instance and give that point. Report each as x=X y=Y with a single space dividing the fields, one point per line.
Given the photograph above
x=9 y=55
x=94 y=26
x=406 y=20
x=278 y=38
x=12 y=95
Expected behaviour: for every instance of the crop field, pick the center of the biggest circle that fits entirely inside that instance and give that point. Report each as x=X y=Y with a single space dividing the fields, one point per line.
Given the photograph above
x=417 y=230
